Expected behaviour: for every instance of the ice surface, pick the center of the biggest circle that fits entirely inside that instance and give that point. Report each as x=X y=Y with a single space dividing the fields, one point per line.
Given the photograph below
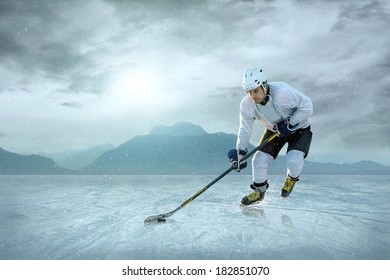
x=102 y=217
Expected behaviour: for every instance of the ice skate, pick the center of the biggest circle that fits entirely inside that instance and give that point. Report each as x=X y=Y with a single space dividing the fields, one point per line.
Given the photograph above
x=256 y=196
x=288 y=186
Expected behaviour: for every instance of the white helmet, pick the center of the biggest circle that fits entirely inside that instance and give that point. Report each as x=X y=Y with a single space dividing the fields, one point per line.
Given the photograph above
x=253 y=78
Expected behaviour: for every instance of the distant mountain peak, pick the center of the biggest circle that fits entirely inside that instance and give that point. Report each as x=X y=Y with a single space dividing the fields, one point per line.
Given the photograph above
x=179 y=129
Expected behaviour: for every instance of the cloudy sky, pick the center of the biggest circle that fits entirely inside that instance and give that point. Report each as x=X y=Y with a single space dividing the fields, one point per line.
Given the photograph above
x=75 y=74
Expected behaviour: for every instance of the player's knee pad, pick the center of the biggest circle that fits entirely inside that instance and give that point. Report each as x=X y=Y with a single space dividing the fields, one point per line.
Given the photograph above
x=294 y=162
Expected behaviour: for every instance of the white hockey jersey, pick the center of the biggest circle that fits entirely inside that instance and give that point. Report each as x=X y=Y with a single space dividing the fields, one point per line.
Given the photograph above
x=285 y=101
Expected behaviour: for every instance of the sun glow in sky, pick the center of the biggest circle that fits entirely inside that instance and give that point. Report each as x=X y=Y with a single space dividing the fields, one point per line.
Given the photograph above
x=138 y=86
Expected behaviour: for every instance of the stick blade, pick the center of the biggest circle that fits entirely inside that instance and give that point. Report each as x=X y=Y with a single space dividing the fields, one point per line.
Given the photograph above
x=155 y=219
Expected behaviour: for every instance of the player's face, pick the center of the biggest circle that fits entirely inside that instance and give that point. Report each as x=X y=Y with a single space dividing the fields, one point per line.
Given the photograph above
x=257 y=94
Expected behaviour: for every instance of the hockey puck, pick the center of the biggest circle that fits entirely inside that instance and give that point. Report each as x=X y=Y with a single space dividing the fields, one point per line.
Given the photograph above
x=161 y=220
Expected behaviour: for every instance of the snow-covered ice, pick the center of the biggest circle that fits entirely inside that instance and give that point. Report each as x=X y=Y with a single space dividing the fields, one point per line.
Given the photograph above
x=102 y=217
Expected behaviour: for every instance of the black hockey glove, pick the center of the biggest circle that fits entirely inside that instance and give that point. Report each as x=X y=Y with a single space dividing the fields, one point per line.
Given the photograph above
x=284 y=128
x=235 y=157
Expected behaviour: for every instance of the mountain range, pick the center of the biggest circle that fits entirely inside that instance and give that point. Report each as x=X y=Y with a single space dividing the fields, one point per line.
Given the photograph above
x=15 y=164
x=78 y=159
x=183 y=148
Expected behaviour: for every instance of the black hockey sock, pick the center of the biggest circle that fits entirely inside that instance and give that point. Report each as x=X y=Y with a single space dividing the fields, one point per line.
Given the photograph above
x=294 y=179
x=260 y=186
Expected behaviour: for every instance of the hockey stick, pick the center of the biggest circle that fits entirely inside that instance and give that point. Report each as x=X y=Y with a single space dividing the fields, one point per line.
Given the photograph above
x=161 y=217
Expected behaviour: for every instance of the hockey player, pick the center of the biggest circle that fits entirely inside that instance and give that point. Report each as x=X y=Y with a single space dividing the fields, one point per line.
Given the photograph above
x=282 y=109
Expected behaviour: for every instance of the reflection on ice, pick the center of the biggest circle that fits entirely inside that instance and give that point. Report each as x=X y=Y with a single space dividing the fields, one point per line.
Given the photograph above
x=254 y=211
x=102 y=217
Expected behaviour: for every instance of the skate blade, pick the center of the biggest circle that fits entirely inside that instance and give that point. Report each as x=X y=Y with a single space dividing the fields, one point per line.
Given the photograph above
x=254 y=203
